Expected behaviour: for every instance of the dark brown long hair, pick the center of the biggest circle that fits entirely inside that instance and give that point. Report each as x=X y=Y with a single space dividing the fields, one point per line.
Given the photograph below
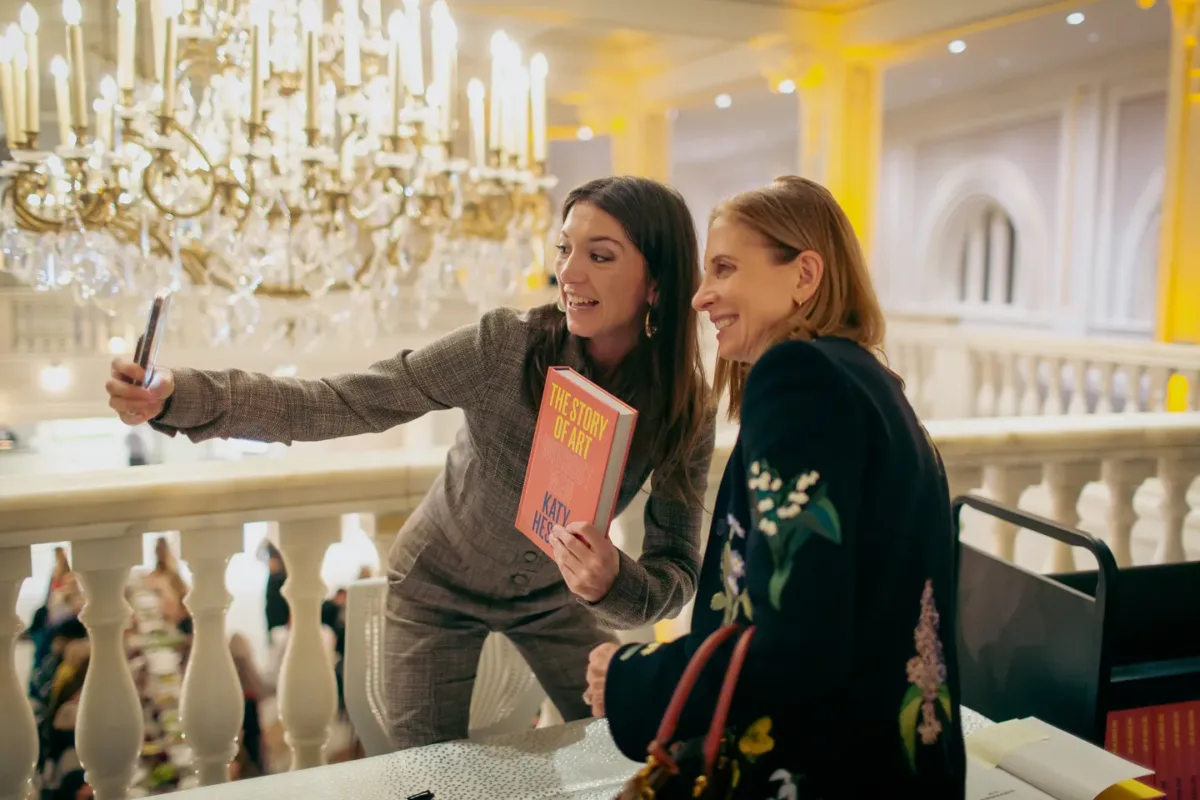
x=793 y=215
x=663 y=377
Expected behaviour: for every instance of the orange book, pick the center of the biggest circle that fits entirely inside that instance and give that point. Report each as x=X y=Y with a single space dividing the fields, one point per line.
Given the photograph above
x=578 y=457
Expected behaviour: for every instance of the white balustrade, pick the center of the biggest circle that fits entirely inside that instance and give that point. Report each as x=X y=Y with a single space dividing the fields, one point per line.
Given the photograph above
x=975 y=371
x=1050 y=465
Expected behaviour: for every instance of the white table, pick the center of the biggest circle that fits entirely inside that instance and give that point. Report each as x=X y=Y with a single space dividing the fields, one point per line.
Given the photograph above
x=576 y=761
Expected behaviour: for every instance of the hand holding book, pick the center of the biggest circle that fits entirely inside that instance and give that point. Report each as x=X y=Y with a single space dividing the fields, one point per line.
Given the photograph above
x=588 y=559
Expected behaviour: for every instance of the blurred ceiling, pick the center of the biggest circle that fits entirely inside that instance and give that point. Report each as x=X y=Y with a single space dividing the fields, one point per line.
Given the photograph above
x=685 y=52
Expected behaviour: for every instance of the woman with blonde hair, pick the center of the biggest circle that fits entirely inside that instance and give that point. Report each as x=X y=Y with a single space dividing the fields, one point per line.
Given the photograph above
x=831 y=536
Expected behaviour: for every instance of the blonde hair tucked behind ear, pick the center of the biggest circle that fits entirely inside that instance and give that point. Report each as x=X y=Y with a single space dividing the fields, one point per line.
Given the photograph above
x=794 y=215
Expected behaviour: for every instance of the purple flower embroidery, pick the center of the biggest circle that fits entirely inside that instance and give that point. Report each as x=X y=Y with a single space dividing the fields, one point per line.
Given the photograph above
x=735 y=527
x=927 y=670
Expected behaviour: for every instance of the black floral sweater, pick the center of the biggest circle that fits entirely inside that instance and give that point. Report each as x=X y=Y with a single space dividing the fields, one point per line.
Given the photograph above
x=831 y=534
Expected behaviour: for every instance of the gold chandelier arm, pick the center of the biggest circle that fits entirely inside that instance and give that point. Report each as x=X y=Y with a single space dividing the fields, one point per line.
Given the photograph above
x=160 y=157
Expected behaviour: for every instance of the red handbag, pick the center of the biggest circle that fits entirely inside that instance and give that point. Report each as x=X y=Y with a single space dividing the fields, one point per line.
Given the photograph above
x=696 y=768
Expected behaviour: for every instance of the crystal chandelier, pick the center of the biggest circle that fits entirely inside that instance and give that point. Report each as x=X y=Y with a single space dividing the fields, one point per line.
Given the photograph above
x=280 y=159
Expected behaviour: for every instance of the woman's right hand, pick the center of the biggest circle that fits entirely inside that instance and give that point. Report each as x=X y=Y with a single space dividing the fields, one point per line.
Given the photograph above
x=132 y=402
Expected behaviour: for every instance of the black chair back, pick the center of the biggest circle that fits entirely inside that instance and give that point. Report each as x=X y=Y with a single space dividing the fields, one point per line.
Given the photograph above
x=1030 y=645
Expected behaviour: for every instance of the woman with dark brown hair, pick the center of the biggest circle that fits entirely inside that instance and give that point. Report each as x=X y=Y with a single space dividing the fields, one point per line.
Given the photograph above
x=627 y=268
x=831 y=536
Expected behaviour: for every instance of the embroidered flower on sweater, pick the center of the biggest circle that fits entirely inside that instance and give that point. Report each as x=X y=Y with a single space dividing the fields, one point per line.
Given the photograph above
x=787 y=514
x=927 y=691
x=757 y=739
x=732 y=599
x=735 y=527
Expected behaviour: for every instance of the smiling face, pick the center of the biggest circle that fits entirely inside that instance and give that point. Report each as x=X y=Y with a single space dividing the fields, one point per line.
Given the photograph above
x=751 y=290
x=603 y=283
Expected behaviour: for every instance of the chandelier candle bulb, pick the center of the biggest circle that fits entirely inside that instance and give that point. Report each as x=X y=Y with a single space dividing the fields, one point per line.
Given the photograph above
x=539 y=68
x=521 y=111
x=126 y=37
x=158 y=25
x=310 y=19
x=62 y=98
x=475 y=92
x=259 y=16
x=351 y=53
x=395 y=79
x=33 y=91
x=73 y=15
x=496 y=107
x=172 y=9
x=414 y=73
x=444 y=36
x=20 y=64
x=7 y=101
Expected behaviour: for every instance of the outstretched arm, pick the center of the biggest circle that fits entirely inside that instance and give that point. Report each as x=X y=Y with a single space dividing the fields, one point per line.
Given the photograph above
x=454 y=372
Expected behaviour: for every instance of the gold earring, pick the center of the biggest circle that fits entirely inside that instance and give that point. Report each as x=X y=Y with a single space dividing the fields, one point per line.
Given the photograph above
x=651 y=328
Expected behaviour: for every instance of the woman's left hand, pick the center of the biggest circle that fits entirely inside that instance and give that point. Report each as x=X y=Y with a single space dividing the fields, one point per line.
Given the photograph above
x=597 y=674
x=589 y=562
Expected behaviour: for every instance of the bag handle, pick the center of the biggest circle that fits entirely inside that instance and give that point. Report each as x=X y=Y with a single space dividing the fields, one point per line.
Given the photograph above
x=666 y=728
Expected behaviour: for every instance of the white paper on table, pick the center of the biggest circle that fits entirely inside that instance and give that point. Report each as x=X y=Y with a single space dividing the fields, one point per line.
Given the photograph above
x=993 y=783
x=1059 y=764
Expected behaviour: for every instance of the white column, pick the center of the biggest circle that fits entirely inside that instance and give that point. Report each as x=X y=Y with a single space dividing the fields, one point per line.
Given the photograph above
x=1078 y=387
x=1123 y=477
x=18 y=733
x=1176 y=476
x=108 y=730
x=211 y=707
x=307 y=686
x=1065 y=482
x=1104 y=404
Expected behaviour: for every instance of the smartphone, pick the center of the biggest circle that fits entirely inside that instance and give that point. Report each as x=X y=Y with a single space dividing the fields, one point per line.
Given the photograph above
x=146 y=353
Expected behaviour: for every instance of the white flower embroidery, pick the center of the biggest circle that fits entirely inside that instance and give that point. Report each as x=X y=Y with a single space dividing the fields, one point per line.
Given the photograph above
x=766 y=504
x=768 y=526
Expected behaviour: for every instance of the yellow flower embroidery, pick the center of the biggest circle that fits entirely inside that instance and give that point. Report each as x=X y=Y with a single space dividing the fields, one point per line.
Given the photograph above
x=757 y=741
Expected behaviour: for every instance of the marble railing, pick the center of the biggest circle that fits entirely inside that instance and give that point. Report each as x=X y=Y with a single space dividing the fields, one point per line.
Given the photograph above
x=955 y=370
x=104 y=516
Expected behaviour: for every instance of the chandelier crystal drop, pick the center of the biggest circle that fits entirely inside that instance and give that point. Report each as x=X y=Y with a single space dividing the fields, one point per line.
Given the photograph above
x=288 y=172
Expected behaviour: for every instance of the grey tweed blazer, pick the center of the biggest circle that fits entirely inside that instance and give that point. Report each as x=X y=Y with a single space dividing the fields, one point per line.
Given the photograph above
x=473 y=501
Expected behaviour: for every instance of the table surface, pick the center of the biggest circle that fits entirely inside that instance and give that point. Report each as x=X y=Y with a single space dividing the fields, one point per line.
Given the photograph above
x=577 y=761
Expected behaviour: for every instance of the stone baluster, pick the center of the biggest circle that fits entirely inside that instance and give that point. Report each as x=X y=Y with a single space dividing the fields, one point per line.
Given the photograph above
x=1104 y=403
x=1133 y=389
x=962 y=479
x=1054 y=405
x=1079 y=372
x=1176 y=475
x=1123 y=477
x=307 y=686
x=1157 y=398
x=18 y=733
x=212 y=706
x=1005 y=485
x=1192 y=400
x=108 y=729
x=985 y=401
x=1031 y=400
x=1007 y=404
x=1066 y=480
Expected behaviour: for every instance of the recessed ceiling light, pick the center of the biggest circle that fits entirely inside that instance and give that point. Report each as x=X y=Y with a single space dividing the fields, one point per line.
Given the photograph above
x=1075 y=18
x=1003 y=63
x=724 y=101
x=935 y=83
x=1093 y=37
x=584 y=133
x=787 y=86
x=957 y=46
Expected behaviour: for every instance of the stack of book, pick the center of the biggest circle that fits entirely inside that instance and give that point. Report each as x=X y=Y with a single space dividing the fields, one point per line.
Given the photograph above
x=1162 y=739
